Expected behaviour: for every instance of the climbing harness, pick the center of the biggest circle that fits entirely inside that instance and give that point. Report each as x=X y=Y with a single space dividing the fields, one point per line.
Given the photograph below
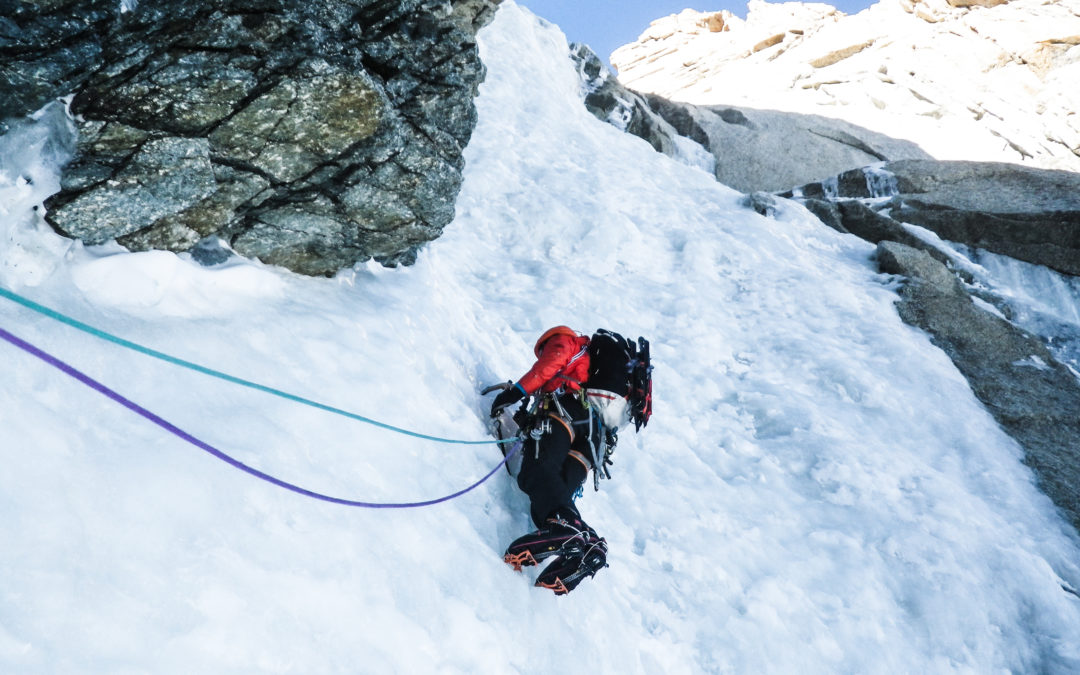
x=601 y=439
x=180 y=433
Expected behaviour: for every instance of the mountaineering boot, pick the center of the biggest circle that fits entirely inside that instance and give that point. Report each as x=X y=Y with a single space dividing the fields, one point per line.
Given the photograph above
x=566 y=572
x=569 y=538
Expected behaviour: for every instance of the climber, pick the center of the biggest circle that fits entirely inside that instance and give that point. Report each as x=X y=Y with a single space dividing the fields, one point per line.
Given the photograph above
x=565 y=440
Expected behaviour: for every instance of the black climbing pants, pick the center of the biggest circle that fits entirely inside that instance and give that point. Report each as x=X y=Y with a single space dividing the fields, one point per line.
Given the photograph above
x=553 y=468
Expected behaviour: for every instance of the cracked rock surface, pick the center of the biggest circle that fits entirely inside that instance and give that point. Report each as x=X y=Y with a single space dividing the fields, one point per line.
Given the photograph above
x=312 y=135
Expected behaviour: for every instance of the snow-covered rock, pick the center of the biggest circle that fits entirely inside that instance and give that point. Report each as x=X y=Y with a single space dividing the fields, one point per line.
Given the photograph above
x=747 y=149
x=311 y=135
x=1026 y=213
x=1031 y=394
x=962 y=79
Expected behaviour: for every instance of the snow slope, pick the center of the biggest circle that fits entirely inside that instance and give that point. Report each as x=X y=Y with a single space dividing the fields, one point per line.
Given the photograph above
x=818 y=490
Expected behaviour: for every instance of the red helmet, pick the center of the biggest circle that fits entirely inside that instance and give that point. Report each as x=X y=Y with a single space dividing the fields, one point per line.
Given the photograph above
x=550 y=333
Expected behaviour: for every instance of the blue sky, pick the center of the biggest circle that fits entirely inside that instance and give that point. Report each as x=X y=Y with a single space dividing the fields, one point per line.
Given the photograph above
x=605 y=26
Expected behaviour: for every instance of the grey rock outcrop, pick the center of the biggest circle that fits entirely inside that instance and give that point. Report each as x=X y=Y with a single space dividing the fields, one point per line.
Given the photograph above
x=865 y=223
x=827 y=212
x=312 y=135
x=1022 y=212
x=1032 y=396
x=773 y=150
x=754 y=149
x=613 y=103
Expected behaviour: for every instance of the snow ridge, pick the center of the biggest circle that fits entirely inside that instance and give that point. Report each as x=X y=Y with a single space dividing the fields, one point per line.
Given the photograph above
x=976 y=83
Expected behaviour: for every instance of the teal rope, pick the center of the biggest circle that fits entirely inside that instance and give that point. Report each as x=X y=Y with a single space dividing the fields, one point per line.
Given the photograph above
x=74 y=323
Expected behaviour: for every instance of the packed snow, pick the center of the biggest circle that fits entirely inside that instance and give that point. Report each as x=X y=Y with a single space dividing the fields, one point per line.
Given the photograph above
x=817 y=492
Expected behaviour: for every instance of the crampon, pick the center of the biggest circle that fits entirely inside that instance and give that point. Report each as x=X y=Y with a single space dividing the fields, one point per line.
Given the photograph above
x=565 y=573
x=577 y=551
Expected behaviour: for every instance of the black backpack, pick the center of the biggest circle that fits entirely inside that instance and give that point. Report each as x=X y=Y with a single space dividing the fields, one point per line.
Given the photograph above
x=621 y=366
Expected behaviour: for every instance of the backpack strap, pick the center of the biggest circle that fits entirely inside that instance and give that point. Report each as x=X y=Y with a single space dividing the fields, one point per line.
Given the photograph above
x=561 y=375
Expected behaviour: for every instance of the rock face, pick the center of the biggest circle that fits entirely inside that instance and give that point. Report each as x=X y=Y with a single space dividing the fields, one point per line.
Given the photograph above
x=312 y=135
x=976 y=80
x=771 y=150
x=1032 y=396
x=1028 y=214
x=611 y=102
x=753 y=149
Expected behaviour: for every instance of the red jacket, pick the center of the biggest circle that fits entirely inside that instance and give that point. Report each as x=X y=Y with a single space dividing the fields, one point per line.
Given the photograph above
x=562 y=360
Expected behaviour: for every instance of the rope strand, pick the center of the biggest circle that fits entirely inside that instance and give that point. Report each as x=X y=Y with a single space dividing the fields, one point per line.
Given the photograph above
x=176 y=431
x=86 y=328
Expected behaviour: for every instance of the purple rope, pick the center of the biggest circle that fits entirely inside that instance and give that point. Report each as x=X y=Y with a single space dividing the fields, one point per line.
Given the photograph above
x=173 y=429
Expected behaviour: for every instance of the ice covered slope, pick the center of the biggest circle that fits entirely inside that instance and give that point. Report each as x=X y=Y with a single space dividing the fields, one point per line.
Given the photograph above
x=970 y=82
x=818 y=491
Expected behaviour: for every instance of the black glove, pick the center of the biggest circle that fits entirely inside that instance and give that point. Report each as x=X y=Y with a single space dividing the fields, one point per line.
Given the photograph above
x=506 y=398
